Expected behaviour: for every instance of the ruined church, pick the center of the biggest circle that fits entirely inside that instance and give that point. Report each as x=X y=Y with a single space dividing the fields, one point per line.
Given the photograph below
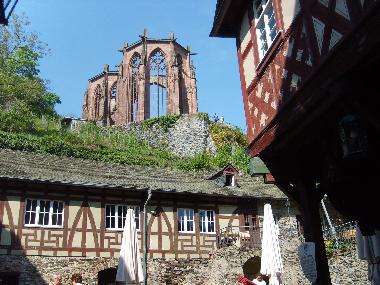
x=155 y=78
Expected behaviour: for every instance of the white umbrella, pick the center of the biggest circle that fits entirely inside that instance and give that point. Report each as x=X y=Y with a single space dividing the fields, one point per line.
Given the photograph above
x=271 y=261
x=369 y=249
x=129 y=269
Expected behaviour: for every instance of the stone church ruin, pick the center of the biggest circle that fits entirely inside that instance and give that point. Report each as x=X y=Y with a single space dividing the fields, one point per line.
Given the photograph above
x=155 y=78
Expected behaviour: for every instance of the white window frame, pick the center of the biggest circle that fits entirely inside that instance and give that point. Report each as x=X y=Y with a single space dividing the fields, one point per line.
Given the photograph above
x=183 y=223
x=37 y=211
x=227 y=174
x=119 y=226
x=262 y=20
x=205 y=221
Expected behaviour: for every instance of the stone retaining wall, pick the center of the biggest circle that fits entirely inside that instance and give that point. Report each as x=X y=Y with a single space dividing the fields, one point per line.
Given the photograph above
x=188 y=136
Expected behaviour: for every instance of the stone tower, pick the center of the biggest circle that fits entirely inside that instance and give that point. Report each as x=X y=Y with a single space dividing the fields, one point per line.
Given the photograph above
x=155 y=78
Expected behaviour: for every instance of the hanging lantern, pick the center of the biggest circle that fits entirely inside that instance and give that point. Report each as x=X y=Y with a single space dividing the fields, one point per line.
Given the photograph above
x=353 y=137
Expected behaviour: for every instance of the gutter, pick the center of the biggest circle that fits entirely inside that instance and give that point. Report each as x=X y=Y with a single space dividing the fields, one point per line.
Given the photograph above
x=146 y=238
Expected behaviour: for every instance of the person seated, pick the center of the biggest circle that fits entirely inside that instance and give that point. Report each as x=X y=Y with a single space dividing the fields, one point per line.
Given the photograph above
x=56 y=280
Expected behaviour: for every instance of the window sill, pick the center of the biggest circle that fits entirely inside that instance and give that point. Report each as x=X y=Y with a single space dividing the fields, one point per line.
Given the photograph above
x=210 y=233
x=43 y=227
x=180 y=232
x=118 y=230
x=269 y=54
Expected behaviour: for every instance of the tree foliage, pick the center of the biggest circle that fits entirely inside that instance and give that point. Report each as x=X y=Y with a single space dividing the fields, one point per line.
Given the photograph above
x=24 y=95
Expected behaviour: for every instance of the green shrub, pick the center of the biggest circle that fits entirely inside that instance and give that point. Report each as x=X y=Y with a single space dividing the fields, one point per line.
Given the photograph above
x=164 y=122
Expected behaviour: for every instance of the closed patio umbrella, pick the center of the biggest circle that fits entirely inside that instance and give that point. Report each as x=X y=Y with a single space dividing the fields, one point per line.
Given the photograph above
x=129 y=269
x=271 y=261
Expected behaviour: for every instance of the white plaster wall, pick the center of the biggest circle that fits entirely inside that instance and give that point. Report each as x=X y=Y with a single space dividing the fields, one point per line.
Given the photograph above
x=290 y=9
x=249 y=68
x=245 y=35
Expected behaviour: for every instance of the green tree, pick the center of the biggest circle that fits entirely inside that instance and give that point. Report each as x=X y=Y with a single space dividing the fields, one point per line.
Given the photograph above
x=23 y=93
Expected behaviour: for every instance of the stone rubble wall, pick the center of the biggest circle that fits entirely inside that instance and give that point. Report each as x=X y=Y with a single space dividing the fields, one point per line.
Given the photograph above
x=346 y=268
x=221 y=268
x=188 y=136
x=38 y=270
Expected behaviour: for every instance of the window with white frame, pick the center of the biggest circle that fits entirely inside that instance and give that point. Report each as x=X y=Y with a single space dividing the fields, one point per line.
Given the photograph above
x=207 y=221
x=43 y=213
x=115 y=216
x=185 y=220
x=265 y=20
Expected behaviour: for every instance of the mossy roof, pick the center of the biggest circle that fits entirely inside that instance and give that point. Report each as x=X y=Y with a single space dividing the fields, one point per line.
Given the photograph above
x=48 y=168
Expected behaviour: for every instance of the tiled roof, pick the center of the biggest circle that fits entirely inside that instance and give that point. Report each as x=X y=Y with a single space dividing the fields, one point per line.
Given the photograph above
x=47 y=168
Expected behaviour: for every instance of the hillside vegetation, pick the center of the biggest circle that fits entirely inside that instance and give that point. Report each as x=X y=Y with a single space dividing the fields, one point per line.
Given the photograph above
x=115 y=145
x=29 y=122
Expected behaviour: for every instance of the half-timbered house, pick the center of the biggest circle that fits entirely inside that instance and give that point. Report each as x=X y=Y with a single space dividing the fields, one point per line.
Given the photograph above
x=308 y=72
x=63 y=209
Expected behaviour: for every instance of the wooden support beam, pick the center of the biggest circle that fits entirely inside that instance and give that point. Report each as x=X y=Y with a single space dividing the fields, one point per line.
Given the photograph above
x=309 y=206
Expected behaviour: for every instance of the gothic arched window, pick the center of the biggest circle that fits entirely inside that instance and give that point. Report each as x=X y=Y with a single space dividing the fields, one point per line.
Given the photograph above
x=97 y=95
x=113 y=91
x=134 y=106
x=112 y=110
x=158 y=83
x=183 y=104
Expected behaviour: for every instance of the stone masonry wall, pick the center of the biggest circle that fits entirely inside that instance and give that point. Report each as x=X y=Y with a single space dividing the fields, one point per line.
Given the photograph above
x=221 y=268
x=188 y=136
x=38 y=270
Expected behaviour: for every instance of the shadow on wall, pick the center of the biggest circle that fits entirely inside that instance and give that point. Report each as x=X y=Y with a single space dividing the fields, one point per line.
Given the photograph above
x=15 y=267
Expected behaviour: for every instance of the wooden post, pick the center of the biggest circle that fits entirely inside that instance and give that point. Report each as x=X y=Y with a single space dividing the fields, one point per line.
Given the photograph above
x=309 y=204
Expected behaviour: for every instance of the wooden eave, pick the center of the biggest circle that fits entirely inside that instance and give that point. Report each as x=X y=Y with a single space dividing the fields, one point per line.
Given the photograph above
x=228 y=14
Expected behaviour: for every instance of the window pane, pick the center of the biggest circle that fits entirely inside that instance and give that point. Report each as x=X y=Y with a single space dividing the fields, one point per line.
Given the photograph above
x=54 y=219
x=190 y=226
x=30 y=212
x=27 y=218
x=55 y=207
x=108 y=210
x=44 y=213
x=211 y=227
x=60 y=220
x=121 y=222
x=28 y=205
x=190 y=214
x=108 y=222
x=32 y=218
x=60 y=207
x=181 y=220
x=41 y=219
x=258 y=7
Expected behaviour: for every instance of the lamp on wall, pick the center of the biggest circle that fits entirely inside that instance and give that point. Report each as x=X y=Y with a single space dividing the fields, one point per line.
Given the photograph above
x=353 y=137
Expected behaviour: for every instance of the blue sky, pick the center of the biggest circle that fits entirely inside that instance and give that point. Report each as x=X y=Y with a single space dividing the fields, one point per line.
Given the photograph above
x=83 y=35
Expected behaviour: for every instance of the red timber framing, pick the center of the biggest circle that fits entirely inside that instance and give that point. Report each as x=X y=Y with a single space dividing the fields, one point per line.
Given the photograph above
x=320 y=70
